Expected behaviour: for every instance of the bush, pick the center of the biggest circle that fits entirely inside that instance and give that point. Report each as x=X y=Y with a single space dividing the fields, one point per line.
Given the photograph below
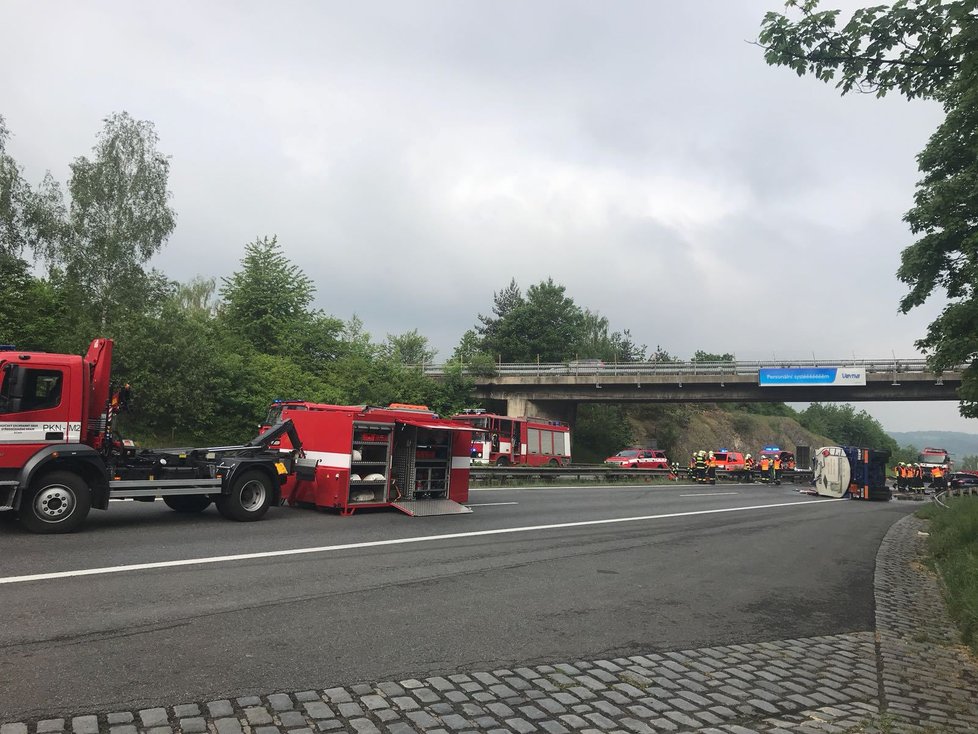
x=953 y=544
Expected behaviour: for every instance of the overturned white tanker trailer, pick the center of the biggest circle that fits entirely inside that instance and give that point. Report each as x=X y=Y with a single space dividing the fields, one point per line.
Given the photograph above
x=849 y=471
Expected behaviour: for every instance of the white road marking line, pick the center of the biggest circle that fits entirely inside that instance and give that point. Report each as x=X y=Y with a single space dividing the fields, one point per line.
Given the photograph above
x=708 y=494
x=489 y=504
x=393 y=541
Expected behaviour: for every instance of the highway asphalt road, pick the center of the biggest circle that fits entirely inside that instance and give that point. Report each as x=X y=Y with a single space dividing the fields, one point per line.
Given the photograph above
x=700 y=566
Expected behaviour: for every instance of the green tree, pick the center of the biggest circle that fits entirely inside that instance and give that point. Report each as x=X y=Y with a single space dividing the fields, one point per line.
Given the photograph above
x=504 y=302
x=265 y=299
x=546 y=326
x=29 y=219
x=32 y=316
x=928 y=49
x=844 y=425
x=120 y=216
x=945 y=216
x=597 y=340
x=468 y=347
x=916 y=47
x=661 y=355
x=599 y=432
x=410 y=347
x=199 y=294
x=701 y=356
x=624 y=349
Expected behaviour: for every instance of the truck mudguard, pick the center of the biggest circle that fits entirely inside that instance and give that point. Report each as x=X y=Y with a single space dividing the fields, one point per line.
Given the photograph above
x=74 y=457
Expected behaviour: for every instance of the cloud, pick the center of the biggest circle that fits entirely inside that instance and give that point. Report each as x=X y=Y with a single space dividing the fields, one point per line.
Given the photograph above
x=412 y=158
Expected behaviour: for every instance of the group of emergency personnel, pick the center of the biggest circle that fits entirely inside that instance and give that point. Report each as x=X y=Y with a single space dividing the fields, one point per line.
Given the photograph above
x=703 y=467
x=770 y=469
x=913 y=478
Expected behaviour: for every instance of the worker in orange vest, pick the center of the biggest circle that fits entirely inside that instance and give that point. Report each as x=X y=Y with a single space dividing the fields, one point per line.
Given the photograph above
x=776 y=469
x=711 y=468
x=765 y=468
x=937 y=479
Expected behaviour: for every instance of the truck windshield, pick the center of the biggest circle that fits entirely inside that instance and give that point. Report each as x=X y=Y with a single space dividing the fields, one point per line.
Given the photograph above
x=274 y=415
x=932 y=457
x=4 y=389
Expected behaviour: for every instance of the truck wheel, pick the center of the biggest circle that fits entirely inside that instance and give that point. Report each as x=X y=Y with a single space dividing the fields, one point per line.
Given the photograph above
x=502 y=461
x=57 y=502
x=249 y=499
x=188 y=503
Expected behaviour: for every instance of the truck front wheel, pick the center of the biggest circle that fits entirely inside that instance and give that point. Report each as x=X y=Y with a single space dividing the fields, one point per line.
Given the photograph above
x=249 y=498
x=57 y=502
x=188 y=503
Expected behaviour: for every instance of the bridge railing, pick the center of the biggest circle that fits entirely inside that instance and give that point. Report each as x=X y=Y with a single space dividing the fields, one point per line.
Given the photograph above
x=573 y=368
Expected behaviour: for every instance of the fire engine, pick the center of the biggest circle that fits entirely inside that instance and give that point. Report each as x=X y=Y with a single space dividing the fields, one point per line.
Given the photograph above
x=931 y=458
x=524 y=441
x=356 y=456
x=59 y=457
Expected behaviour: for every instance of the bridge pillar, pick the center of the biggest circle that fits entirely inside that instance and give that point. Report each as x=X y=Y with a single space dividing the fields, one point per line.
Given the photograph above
x=554 y=410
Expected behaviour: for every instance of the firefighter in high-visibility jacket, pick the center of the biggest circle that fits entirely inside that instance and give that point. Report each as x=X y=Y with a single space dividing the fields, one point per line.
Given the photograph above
x=918 y=478
x=937 y=479
x=711 y=468
x=765 y=468
x=776 y=470
x=700 y=470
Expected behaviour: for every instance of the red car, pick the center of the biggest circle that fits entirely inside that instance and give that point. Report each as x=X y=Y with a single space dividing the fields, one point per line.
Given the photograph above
x=639 y=459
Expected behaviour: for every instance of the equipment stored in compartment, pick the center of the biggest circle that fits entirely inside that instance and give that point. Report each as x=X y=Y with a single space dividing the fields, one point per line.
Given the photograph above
x=402 y=456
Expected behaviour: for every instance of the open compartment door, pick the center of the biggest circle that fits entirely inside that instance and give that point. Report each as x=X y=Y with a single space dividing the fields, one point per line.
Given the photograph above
x=427 y=508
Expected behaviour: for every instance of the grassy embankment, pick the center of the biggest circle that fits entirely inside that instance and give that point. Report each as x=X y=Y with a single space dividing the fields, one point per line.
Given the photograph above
x=953 y=546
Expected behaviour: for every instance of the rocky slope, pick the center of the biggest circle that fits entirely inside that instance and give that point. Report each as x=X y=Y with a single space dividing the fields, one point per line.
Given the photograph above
x=683 y=431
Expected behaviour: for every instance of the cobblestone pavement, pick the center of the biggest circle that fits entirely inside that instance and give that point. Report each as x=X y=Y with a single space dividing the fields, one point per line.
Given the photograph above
x=818 y=684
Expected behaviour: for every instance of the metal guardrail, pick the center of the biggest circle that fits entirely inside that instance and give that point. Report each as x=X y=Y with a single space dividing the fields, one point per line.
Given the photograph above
x=553 y=472
x=872 y=366
x=599 y=471
x=959 y=492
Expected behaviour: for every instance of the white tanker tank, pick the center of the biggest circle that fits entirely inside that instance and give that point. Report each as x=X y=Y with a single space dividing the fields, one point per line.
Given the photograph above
x=832 y=471
x=858 y=473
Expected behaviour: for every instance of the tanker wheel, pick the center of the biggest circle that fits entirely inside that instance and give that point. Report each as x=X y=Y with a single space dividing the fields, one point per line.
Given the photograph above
x=188 y=503
x=553 y=462
x=57 y=502
x=250 y=496
x=502 y=461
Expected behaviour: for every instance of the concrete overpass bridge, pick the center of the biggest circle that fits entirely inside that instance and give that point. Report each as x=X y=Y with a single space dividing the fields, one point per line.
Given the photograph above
x=555 y=390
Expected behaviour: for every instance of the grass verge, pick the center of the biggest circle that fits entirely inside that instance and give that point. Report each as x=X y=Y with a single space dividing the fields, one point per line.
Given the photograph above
x=953 y=546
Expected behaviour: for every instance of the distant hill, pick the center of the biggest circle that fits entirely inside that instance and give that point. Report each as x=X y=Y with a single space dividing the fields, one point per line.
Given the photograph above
x=958 y=443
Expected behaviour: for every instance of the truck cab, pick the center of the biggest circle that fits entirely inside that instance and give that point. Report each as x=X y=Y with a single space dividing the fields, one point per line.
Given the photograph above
x=44 y=399
x=59 y=458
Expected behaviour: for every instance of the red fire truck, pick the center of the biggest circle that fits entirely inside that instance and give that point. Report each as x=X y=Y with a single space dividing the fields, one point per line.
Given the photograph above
x=932 y=458
x=401 y=456
x=59 y=457
x=522 y=441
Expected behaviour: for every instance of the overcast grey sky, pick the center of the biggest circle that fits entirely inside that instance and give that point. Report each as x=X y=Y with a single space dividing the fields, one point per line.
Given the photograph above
x=413 y=157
